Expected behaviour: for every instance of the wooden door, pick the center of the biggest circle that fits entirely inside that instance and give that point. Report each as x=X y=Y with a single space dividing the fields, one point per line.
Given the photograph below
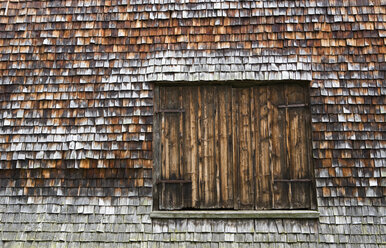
x=220 y=147
x=195 y=144
x=271 y=147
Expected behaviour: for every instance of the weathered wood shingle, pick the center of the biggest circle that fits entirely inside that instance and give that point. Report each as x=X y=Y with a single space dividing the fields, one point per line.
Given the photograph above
x=76 y=112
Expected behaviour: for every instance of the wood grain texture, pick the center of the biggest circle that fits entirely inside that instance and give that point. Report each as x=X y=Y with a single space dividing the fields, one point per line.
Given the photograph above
x=263 y=163
x=172 y=156
x=297 y=143
x=277 y=146
x=242 y=112
x=235 y=148
x=224 y=139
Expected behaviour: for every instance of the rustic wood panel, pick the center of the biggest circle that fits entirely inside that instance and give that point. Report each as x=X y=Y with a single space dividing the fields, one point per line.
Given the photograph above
x=242 y=148
x=215 y=182
x=171 y=135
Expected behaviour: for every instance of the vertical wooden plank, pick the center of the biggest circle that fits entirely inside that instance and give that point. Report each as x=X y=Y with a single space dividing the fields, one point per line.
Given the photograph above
x=230 y=177
x=164 y=164
x=255 y=122
x=263 y=167
x=235 y=149
x=245 y=165
x=212 y=183
x=276 y=122
x=186 y=145
x=224 y=158
x=179 y=138
x=204 y=152
x=156 y=148
x=218 y=92
x=204 y=149
x=200 y=170
x=252 y=120
x=164 y=158
x=195 y=133
x=190 y=145
x=208 y=144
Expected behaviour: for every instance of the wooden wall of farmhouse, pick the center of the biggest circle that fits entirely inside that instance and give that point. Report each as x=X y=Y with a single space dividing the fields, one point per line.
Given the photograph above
x=76 y=114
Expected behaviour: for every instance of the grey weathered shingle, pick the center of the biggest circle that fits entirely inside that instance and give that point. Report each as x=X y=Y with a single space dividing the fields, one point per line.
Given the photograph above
x=76 y=97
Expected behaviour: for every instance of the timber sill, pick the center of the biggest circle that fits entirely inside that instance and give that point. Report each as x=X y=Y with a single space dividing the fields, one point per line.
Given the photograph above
x=244 y=214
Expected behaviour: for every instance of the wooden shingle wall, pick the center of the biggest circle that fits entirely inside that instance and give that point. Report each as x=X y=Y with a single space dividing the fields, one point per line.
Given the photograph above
x=76 y=111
